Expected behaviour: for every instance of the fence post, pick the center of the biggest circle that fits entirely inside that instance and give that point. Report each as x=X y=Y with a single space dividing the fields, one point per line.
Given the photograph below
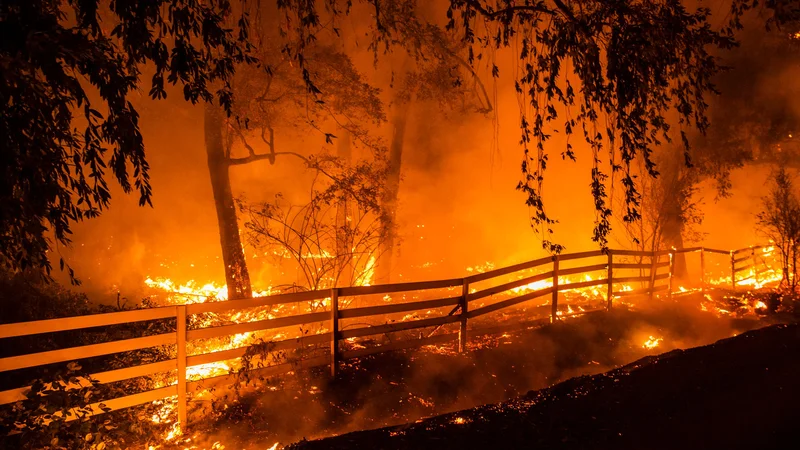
x=180 y=313
x=733 y=271
x=755 y=267
x=610 y=289
x=702 y=270
x=554 y=302
x=653 y=269
x=462 y=332
x=671 y=271
x=334 y=330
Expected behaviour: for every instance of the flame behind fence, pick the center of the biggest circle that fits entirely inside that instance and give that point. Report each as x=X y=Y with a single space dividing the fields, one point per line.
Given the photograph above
x=325 y=327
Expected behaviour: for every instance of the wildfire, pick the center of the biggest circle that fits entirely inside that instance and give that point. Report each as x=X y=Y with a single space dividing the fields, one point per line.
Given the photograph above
x=652 y=342
x=193 y=292
x=535 y=286
x=760 y=279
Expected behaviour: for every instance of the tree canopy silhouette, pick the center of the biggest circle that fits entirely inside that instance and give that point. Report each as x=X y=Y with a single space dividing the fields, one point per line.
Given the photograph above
x=612 y=72
x=66 y=119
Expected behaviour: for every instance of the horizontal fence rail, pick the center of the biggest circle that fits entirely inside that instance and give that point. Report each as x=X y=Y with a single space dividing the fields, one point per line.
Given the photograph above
x=464 y=300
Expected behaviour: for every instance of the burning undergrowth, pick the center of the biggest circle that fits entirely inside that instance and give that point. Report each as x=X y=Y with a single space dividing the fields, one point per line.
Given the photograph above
x=510 y=351
x=404 y=386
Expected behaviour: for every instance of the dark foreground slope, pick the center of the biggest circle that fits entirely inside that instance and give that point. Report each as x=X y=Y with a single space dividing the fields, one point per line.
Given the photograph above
x=742 y=392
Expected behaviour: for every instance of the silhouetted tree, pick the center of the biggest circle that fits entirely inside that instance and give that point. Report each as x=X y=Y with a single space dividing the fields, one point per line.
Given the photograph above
x=779 y=221
x=344 y=210
x=310 y=234
x=669 y=208
x=280 y=95
x=66 y=118
x=752 y=121
x=434 y=69
x=613 y=72
x=237 y=276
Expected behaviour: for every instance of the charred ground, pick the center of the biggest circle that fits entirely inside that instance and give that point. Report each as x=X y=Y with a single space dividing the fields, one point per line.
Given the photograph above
x=740 y=392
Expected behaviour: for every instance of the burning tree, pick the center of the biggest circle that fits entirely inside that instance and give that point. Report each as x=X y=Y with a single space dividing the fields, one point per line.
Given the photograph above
x=780 y=222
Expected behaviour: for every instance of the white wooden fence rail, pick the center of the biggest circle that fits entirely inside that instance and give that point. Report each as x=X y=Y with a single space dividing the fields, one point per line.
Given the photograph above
x=461 y=302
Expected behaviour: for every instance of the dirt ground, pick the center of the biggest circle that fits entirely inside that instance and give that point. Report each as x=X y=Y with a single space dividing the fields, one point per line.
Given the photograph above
x=741 y=392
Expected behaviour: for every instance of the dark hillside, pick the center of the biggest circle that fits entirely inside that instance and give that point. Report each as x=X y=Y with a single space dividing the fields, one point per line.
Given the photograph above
x=741 y=392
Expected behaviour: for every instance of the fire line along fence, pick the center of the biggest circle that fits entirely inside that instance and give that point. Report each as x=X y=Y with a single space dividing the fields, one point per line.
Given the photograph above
x=348 y=319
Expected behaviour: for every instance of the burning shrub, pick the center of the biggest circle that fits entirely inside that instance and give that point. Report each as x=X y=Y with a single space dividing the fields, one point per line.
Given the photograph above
x=336 y=235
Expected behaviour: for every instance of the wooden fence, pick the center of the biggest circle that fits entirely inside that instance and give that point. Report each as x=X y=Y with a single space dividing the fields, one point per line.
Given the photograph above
x=470 y=298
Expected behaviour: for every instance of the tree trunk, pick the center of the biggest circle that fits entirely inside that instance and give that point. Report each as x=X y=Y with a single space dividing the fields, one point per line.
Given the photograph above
x=389 y=200
x=344 y=241
x=236 y=274
x=672 y=232
x=674 y=191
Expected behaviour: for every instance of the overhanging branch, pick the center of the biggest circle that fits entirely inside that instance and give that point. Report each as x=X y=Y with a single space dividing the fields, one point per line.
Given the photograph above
x=539 y=8
x=260 y=157
x=253 y=156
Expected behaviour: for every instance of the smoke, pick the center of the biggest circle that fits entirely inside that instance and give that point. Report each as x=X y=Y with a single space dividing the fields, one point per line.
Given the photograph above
x=458 y=206
x=754 y=125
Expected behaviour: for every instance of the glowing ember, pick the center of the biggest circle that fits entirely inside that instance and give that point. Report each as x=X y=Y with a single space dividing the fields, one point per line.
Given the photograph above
x=460 y=421
x=652 y=342
x=481 y=268
x=760 y=305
